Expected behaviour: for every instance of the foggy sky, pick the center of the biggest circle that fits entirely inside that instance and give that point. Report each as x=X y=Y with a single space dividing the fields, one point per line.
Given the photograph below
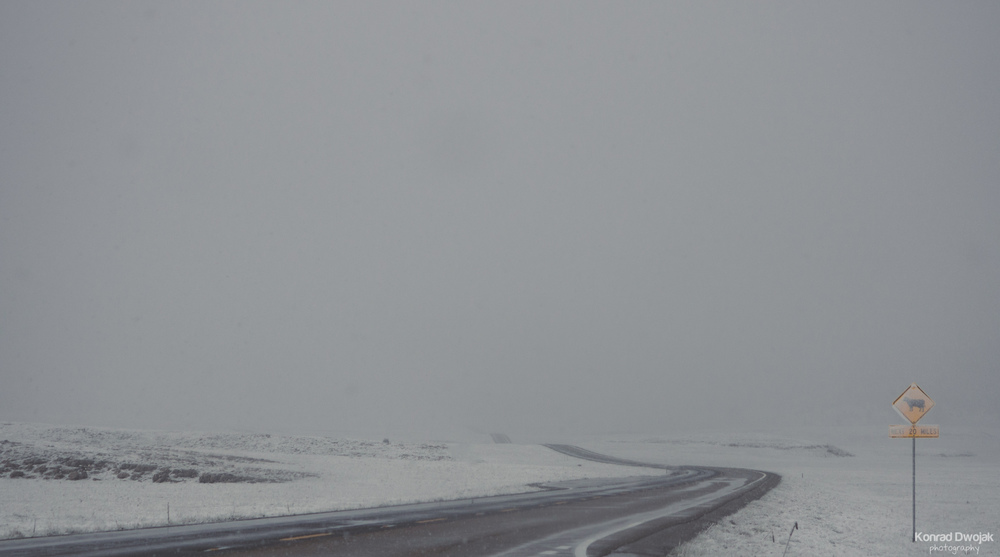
x=559 y=216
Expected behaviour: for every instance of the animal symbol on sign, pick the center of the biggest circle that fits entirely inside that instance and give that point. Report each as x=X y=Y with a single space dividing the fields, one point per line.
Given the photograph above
x=914 y=403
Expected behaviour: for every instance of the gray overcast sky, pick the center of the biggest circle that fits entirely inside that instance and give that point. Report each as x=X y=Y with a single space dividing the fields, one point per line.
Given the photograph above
x=557 y=216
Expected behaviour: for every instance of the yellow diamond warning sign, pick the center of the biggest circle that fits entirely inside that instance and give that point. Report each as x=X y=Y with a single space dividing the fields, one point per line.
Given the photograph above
x=913 y=403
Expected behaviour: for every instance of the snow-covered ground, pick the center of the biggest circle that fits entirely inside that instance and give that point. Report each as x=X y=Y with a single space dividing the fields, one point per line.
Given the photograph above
x=844 y=505
x=848 y=490
x=250 y=475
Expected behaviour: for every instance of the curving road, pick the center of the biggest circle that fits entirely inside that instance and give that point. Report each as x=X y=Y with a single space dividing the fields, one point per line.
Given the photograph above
x=643 y=515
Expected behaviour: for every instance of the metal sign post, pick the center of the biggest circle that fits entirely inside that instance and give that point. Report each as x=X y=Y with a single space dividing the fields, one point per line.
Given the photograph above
x=912 y=405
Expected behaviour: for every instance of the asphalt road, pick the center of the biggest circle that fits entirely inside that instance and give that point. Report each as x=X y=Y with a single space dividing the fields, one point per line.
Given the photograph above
x=643 y=515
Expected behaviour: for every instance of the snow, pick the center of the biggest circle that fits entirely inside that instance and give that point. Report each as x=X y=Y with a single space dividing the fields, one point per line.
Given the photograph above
x=285 y=474
x=844 y=505
x=848 y=489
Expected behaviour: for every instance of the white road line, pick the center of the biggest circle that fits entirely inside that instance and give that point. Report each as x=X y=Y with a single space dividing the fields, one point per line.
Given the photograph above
x=581 y=548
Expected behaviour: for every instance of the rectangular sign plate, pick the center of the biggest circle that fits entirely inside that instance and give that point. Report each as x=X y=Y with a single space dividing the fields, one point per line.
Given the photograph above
x=910 y=431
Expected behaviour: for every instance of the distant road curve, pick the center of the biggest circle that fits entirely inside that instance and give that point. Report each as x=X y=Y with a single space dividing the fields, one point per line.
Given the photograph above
x=500 y=438
x=640 y=515
x=580 y=452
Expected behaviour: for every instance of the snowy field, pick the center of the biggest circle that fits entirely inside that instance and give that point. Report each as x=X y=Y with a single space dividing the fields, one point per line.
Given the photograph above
x=844 y=505
x=131 y=479
x=848 y=490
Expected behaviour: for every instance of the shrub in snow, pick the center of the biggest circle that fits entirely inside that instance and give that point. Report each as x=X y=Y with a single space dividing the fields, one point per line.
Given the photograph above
x=222 y=477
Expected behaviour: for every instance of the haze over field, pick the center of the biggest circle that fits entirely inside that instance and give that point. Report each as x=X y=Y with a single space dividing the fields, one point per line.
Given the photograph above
x=544 y=217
